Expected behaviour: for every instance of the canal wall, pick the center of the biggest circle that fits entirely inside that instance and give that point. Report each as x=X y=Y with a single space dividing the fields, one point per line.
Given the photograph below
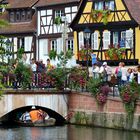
x=84 y=110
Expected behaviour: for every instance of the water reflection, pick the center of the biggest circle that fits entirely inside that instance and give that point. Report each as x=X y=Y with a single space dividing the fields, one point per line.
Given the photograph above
x=88 y=133
x=69 y=132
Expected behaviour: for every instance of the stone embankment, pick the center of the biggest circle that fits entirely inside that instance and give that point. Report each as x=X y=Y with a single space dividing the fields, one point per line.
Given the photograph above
x=112 y=115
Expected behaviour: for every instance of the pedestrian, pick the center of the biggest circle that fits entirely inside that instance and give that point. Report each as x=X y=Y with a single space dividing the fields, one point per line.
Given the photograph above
x=124 y=74
x=33 y=66
x=95 y=70
x=49 y=66
x=118 y=74
x=108 y=71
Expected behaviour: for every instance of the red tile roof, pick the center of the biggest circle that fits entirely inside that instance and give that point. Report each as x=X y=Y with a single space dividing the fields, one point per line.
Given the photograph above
x=42 y=3
x=134 y=9
x=16 y=28
x=21 y=3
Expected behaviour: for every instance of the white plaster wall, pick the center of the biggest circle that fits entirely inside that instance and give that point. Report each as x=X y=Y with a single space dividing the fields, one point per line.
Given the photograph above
x=43 y=49
x=38 y=23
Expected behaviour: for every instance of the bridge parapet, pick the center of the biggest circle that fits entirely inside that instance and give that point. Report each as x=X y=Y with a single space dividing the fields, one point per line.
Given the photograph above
x=56 y=101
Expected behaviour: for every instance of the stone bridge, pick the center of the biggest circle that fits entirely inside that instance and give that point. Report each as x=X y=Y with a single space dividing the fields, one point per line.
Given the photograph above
x=54 y=103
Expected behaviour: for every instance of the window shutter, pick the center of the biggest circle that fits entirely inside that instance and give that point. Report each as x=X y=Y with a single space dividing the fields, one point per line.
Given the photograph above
x=94 y=41
x=129 y=39
x=81 y=40
x=115 y=39
x=59 y=45
x=106 y=39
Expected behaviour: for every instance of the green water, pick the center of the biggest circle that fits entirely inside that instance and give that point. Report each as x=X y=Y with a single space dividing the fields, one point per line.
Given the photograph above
x=69 y=132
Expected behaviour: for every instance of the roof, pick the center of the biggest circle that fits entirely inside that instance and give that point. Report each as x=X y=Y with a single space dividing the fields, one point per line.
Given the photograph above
x=43 y=3
x=18 y=28
x=14 y=4
x=134 y=9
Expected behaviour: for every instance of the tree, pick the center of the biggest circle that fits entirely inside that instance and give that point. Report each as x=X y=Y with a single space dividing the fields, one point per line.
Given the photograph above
x=3 y=23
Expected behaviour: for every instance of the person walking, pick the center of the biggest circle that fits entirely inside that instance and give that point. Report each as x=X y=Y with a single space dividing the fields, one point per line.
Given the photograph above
x=107 y=72
x=95 y=70
x=118 y=74
x=124 y=74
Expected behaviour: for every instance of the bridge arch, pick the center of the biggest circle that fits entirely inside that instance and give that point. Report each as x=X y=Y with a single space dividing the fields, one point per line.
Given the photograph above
x=54 y=104
x=15 y=114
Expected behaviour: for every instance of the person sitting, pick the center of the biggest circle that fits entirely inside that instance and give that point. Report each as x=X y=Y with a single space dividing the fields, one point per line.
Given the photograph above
x=25 y=117
x=37 y=115
x=43 y=115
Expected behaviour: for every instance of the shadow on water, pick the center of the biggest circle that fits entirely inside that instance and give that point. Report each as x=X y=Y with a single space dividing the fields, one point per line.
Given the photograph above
x=8 y=120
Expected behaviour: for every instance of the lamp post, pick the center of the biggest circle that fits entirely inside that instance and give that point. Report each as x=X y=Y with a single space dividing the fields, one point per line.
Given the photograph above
x=87 y=33
x=64 y=34
x=8 y=48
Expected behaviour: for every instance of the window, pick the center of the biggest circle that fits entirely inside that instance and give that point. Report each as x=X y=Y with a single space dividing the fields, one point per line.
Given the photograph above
x=54 y=45
x=11 y=16
x=109 y=5
x=104 y=5
x=115 y=38
x=22 y=42
x=70 y=45
x=106 y=39
x=59 y=13
x=126 y=39
x=28 y=15
x=99 y=6
x=23 y=15
x=17 y=16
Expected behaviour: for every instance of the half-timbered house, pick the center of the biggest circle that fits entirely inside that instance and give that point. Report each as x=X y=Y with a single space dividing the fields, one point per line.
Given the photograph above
x=21 y=31
x=113 y=24
x=50 y=33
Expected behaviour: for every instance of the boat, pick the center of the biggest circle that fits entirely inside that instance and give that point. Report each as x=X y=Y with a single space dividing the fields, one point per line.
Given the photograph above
x=48 y=122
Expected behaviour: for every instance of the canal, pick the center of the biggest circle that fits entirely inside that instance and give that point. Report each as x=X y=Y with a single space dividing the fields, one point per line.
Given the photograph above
x=66 y=132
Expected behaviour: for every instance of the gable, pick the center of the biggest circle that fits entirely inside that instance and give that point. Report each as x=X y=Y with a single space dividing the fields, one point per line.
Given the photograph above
x=120 y=13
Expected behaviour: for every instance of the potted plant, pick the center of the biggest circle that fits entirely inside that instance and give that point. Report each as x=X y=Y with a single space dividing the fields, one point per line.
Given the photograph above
x=103 y=14
x=115 y=53
x=82 y=54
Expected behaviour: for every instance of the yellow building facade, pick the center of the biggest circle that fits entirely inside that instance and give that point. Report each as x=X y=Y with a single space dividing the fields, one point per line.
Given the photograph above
x=114 y=31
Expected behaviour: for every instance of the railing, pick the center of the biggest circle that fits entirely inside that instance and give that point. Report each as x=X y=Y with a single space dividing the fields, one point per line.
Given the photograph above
x=11 y=82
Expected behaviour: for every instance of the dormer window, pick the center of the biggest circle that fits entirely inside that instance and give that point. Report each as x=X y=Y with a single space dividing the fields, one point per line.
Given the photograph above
x=23 y=16
x=28 y=15
x=104 y=5
x=17 y=16
x=20 y=16
x=59 y=13
x=12 y=17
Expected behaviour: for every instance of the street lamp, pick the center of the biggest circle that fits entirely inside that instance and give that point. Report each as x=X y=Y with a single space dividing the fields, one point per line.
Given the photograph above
x=87 y=33
x=8 y=48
